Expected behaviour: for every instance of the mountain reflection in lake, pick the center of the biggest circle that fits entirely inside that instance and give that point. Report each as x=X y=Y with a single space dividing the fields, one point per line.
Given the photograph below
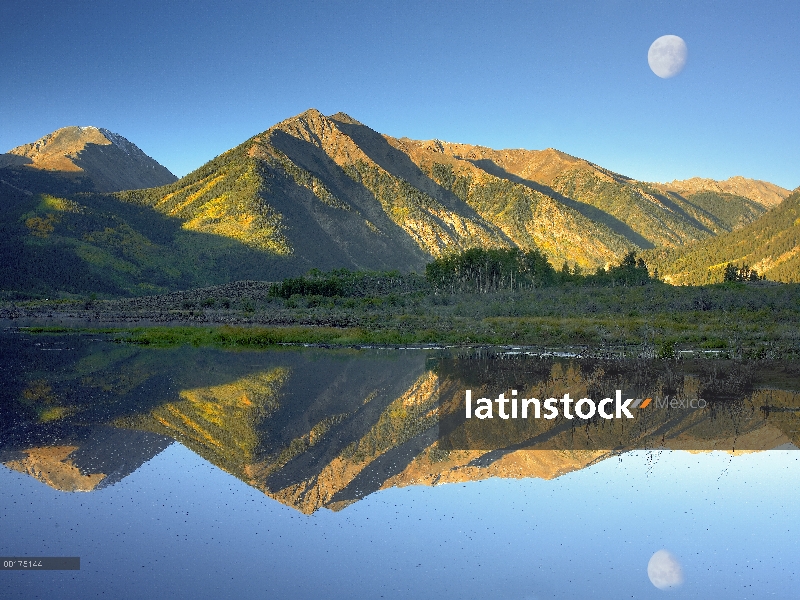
x=568 y=513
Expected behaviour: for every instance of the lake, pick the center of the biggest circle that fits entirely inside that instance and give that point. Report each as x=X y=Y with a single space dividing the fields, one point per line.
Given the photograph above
x=354 y=473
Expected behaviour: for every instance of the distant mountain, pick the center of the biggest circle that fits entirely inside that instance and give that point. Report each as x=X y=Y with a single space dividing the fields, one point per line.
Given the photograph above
x=771 y=245
x=763 y=192
x=326 y=192
x=105 y=160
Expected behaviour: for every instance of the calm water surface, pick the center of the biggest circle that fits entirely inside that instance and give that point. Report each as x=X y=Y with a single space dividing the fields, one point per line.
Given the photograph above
x=305 y=472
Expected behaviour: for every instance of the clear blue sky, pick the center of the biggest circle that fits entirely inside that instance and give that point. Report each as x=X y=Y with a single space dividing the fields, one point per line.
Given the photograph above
x=186 y=81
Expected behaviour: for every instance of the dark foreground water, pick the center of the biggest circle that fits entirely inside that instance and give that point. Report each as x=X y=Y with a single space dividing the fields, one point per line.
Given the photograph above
x=310 y=473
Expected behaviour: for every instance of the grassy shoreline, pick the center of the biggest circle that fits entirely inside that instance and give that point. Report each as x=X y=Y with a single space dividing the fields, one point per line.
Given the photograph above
x=592 y=336
x=747 y=320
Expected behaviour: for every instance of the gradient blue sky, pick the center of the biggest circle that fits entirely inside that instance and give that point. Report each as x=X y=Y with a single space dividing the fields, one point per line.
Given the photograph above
x=186 y=81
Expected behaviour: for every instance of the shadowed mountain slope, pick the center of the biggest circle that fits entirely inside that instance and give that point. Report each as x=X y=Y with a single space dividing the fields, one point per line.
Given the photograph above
x=99 y=244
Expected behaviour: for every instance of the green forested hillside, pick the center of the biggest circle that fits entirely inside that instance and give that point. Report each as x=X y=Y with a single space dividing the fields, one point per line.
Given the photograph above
x=532 y=219
x=99 y=244
x=662 y=219
x=643 y=214
x=770 y=245
x=723 y=212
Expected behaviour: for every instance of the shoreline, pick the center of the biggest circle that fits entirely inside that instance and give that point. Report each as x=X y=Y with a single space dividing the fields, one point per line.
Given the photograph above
x=256 y=336
x=654 y=320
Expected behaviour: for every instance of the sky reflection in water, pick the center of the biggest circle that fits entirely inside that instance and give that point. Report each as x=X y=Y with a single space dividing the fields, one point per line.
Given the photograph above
x=180 y=527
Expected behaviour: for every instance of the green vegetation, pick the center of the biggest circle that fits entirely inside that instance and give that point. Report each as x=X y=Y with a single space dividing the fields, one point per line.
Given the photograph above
x=346 y=283
x=531 y=219
x=723 y=212
x=664 y=219
x=743 y=273
x=480 y=271
x=235 y=337
x=641 y=319
x=94 y=243
x=769 y=246
x=432 y=225
x=221 y=198
x=469 y=299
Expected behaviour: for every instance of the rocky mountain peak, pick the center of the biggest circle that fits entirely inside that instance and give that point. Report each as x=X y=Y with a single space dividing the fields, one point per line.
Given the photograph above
x=110 y=161
x=344 y=118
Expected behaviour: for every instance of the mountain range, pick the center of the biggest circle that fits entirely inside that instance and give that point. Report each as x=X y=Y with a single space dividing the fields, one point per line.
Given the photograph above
x=318 y=191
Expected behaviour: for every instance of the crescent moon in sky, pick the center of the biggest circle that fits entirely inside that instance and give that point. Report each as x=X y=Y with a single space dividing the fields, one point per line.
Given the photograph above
x=664 y=570
x=667 y=56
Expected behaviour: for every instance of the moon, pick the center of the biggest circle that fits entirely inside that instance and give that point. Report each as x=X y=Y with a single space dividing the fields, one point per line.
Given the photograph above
x=667 y=56
x=664 y=570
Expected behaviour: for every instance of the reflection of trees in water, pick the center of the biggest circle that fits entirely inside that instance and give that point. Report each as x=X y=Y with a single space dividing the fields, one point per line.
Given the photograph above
x=316 y=428
x=219 y=422
x=679 y=415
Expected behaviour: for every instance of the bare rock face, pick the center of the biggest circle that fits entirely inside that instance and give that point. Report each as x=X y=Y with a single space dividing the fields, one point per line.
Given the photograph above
x=108 y=160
